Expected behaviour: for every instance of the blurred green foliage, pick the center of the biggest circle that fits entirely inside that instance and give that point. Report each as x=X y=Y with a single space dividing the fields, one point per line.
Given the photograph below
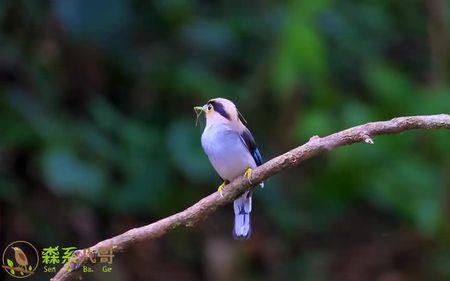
x=96 y=114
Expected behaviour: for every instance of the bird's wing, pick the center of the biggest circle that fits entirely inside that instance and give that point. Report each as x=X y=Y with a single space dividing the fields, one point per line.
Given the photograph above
x=23 y=258
x=249 y=141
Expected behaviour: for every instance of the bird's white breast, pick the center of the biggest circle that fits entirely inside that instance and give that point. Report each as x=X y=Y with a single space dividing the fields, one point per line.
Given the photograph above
x=227 y=153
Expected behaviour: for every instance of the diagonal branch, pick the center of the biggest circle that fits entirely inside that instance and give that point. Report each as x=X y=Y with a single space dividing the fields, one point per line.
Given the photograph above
x=202 y=209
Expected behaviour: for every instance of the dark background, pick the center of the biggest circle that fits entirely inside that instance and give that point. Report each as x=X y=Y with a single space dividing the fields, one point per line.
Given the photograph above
x=98 y=135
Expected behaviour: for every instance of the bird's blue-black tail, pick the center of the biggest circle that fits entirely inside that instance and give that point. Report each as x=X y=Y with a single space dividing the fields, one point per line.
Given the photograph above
x=242 y=210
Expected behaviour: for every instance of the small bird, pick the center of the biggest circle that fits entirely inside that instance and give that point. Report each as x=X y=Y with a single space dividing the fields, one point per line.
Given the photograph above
x=232 y=151
x=20 y=257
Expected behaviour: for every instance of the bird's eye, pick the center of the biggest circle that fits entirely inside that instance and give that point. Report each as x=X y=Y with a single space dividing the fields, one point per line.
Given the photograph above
x=210 y=107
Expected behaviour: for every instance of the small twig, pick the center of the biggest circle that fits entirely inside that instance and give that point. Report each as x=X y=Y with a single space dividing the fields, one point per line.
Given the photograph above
x=202 y=209
x=19 y=269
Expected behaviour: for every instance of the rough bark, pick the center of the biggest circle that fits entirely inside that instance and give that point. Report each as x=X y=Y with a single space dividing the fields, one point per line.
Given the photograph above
x=202 y=209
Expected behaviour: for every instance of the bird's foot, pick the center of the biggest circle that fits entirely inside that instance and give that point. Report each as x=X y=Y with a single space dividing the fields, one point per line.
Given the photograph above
x=220 y=188
x=248 y=174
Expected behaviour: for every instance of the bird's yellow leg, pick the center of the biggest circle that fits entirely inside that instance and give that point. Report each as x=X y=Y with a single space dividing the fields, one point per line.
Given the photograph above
x=220 y=189
x=248 y=174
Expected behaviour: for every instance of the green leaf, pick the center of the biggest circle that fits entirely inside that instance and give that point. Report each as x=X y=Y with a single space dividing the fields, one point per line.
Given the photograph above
x=11 y=264
x=30 y=268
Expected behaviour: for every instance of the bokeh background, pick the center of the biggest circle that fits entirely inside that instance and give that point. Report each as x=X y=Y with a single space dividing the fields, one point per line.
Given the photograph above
x=98 y=135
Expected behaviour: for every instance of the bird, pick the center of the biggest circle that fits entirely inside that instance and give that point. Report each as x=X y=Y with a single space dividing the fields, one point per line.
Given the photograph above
x=232 y=151
x=20 y=257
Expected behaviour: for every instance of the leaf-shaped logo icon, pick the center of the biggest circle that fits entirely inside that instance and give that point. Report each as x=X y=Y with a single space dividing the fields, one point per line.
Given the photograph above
x=11 y=264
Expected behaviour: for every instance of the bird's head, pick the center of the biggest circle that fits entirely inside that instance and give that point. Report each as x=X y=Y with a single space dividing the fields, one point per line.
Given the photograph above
x=219 y=111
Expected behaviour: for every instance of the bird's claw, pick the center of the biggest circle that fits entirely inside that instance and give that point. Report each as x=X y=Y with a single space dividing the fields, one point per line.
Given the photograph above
x=248 y=175
x=220 y=189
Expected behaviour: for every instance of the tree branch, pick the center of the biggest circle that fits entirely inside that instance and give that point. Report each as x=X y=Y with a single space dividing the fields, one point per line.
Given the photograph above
x=202 y=209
